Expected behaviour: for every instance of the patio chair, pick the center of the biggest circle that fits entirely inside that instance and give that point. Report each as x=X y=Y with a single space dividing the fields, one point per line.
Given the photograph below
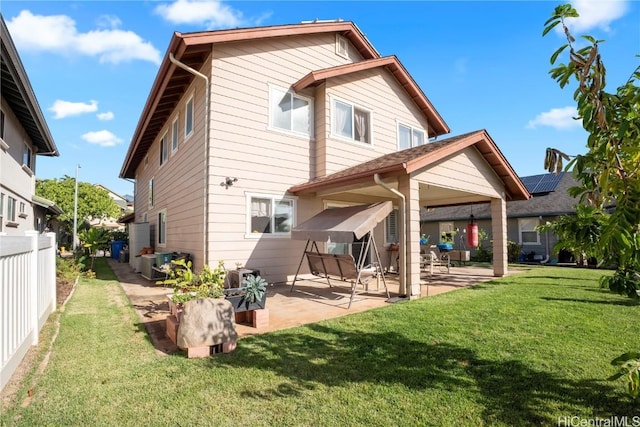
x=433 y=258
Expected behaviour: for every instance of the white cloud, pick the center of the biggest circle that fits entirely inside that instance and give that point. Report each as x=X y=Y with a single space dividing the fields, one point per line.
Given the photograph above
x=212 y=13
x=595 y=14
x=558 y=118
x=103 y=138
x=108 y=115
x=62 y=109
x=58 y=33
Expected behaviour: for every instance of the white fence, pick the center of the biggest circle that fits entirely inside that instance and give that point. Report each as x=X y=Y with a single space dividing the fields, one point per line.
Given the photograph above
x=27 y=295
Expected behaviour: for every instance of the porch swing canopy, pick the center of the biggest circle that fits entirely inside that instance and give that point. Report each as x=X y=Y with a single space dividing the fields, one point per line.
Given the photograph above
x=342 y=225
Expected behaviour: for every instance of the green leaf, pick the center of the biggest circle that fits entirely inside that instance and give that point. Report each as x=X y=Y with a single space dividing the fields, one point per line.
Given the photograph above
x=557 y=52
x=551 y=26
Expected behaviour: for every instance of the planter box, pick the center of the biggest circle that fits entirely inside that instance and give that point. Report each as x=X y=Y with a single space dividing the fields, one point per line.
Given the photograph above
x=239 y=304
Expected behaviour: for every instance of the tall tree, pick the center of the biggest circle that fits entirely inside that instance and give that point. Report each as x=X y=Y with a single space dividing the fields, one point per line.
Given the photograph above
x=609 y=171
x=93 y=202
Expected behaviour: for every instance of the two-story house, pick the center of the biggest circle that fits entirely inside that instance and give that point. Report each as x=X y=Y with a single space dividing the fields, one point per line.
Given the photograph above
x=24 y=135
x=247 y=132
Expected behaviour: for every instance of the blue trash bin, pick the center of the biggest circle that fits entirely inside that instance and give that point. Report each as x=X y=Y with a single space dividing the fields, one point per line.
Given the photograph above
x=116 y=247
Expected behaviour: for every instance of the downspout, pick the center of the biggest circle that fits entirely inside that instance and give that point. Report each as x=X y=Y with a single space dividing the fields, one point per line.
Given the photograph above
x=403 y=242
x=205 y=244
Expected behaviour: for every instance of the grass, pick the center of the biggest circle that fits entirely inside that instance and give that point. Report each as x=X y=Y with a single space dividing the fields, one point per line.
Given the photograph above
x=522 y=350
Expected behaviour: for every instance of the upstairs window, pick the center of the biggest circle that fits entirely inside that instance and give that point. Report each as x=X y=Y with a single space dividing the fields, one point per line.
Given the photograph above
x=174 y=135
x=290 y=112
x=188 y=118
x=409 y=137
x=351 y=122
x=1 y=124
x=164 y=153
x=27 y=156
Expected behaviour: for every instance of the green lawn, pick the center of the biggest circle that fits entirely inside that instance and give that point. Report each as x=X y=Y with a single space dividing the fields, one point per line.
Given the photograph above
x=523 y=350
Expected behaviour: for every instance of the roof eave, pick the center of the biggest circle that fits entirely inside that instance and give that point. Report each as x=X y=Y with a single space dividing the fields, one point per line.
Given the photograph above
x=26 y=89
x=395 y=67
x=314 y=186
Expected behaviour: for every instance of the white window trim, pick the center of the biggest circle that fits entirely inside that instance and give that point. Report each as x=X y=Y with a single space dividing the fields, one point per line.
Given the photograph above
x=310 y=100
x=175 y=129
x=191 y=98
x=164 y=159
x=333 y=135
x=413 y=128
x=162 y=212
x=145 y=217
x=339 y=52
x=274 y=198
x=520 y=230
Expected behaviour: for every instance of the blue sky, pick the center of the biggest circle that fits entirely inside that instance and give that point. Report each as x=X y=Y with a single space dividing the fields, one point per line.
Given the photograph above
x=484 y=65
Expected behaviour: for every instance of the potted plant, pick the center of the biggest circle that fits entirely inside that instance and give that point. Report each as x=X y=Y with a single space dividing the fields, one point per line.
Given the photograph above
x=188 y=285
x=251 y=296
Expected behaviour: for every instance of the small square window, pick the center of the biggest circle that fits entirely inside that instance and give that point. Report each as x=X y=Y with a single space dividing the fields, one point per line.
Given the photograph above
x=290 y=112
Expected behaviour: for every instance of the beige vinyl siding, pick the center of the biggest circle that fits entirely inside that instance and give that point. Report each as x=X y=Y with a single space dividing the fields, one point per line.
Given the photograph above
x=377 y=91
x=322 y=119
x=179 y=183
x=466 y=171
x=265 y=161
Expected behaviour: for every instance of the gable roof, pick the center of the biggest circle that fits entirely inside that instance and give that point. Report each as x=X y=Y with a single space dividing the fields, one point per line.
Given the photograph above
x=17 y=91
x=396 y=68
x=192 y=49
x=413 y=159
x=552 y=203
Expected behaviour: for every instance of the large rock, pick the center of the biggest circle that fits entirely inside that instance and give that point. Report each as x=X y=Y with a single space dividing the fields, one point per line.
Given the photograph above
x=206 y=322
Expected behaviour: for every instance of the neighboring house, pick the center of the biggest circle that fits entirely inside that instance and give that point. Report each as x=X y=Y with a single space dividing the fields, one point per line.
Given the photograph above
x=550 y=199
x=24 y=135
x=112 y=223
x=247 y=132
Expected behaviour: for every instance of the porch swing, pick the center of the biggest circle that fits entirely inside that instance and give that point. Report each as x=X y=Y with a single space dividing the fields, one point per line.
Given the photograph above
x=343 y=225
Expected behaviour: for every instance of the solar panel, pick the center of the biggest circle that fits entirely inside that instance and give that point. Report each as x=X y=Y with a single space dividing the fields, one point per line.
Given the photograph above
x=544 y=183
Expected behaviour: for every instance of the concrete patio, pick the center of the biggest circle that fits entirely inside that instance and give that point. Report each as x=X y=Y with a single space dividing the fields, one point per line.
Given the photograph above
x=310 y=301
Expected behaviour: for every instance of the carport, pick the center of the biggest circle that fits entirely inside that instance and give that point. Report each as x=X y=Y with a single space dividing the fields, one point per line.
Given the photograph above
x=460 y=170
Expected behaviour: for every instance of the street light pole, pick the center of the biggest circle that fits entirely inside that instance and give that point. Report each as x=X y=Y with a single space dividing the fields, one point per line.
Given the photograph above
x=75 y=213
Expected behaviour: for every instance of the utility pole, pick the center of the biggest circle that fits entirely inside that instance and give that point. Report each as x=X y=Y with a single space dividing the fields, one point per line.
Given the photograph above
x=75 y=213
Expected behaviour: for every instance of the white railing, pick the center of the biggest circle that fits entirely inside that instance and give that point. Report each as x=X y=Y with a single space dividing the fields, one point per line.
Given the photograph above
x=27 y=295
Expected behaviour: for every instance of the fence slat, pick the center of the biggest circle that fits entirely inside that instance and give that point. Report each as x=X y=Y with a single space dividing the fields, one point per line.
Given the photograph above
x=27 y=295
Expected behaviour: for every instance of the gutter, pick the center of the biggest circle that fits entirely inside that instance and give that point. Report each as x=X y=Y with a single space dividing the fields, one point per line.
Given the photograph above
x=403 y=242
x=205 y=237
